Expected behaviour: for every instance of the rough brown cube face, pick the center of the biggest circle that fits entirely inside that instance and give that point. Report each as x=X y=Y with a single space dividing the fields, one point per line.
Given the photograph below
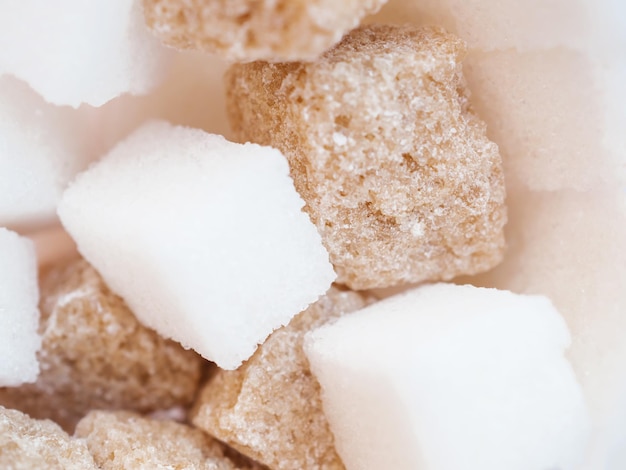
x=395 y=168
x=256 y=29
x=120 y=440
x=96 y=355
x=27 y=443
x=270 y=408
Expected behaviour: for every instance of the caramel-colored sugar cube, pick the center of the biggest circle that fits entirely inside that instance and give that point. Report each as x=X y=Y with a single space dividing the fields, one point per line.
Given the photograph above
x=95 y=354
x=270 y=408
x=395 y=168
x=121 y=439
x=27 y=444
x=245 y=30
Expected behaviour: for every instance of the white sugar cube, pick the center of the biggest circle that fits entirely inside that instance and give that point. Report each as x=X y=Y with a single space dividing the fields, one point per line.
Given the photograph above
x=448 y=377
x=204 y=239
x=19 y=316
x=41 y=148
x=73 y=52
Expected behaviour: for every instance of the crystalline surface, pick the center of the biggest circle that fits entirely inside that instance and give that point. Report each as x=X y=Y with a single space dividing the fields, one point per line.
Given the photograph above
x=204 y=239
x=41 y=148
x=191 y=95
x=252 y=29
x=444 y=367
x=95 y=354
x=74 y=52
x=19 y=295
x=395 y=168
x=123 y=440
x=27 y=444
x=269 y=408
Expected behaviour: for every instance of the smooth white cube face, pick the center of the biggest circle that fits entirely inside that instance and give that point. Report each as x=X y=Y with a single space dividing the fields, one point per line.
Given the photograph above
x=448 y=377
x=42 y=147
x=204 y=239
x=19 y=315
x=73 y=52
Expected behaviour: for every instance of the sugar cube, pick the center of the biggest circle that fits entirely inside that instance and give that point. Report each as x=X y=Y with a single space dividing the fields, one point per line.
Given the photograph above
x=27 y=443
x=204 y=239
x=19 y=294
x=447 y=377
x=74 y=52
x=395 y=168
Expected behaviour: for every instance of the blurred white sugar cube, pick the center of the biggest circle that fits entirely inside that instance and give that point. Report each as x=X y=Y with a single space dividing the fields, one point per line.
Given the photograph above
x=586 y=25
x=204 y=239
x=448 y=377
x=42 y=147
x=76 y=51
x=19 y=315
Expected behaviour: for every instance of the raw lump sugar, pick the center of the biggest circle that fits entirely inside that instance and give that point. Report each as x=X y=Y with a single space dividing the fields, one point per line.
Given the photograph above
x=395 y=168
x=27 y=444
x=270 y=408
x=125 y=440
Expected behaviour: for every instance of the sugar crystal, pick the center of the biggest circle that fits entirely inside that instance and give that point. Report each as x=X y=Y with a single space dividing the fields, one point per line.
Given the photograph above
x=74 y=52
x=19 y=294
x=204 y=239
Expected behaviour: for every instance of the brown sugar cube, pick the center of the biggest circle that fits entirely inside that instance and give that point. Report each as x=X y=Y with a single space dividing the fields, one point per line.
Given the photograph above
x=395 y=168
x=27 y=444
x=125 y=440
x=244 y=30
x=270 y=408
x=95 y=354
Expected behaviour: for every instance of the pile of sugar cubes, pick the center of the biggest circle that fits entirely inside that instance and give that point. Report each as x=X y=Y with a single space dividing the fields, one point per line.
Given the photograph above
x=313 y=234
